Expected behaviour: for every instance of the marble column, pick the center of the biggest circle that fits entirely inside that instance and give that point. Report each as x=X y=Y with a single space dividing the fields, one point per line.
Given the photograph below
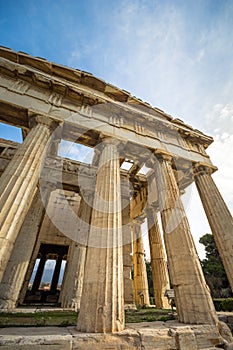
x=32 y=224
x=18 y=263
x=56 y=274
x=18 y=184
x=193 y=301
x=73 y=279
x=102 y=302
x=218 y=215
x=39 y=273
x=158 y=261
x=127 y=244
x=141 y=288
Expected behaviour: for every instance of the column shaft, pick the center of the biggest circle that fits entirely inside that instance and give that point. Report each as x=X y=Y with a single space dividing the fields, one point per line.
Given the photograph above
x=141 y=288
x=158 y=261
x=127 y=245
x=18 y=184
x=102 y=302
x=73 y=280
x=193 y=300
x=29 y=271
x=56 y=274
x=15 y=272
x=39 y=274
x=219 y=217
x=32 y=224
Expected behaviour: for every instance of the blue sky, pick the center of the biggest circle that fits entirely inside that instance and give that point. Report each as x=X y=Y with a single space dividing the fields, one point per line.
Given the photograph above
x=175 y=54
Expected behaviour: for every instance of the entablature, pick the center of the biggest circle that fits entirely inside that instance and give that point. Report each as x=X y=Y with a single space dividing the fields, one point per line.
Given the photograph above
x=81 y=92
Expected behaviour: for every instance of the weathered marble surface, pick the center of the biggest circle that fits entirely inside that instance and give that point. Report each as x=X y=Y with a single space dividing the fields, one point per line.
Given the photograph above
x=142 y=336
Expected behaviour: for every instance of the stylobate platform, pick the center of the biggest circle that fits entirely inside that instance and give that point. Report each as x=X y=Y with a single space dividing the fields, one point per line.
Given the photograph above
x=146 y=336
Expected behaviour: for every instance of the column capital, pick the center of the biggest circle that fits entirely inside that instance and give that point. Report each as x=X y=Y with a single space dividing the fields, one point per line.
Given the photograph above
x=109 y=140
x=163 y=155
x=160 y=154
x=200 y=168
x=105 y=141
x=43 y=120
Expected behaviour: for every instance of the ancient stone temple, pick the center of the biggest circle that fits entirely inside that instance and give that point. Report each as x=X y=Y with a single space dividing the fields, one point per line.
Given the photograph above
x=87 y=213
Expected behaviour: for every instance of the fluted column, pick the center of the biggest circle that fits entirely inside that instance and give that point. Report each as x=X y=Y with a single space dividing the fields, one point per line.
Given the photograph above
x=193 y=300
x=39 y=273
x=141 y=288
x=56 y=274
x=218 y=215
x=127 y=245
x=158 y=261
x=102 y=302
x=16 y=269
x=73 y=280
x=18 y=184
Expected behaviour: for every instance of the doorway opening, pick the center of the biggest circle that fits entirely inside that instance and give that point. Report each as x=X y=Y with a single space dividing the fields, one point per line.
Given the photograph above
x=48 y=272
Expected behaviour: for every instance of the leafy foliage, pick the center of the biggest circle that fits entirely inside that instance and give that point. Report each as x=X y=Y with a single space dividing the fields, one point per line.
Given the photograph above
x=223 y=304
x=149 y=277
x=213 y=269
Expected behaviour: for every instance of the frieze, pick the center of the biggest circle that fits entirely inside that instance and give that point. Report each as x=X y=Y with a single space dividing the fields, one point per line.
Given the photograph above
x=55 y=99
x=53 y=162
x=86 y=110
x=116 y=121
x=70 y=166
x=138 y=127
x=20 y=87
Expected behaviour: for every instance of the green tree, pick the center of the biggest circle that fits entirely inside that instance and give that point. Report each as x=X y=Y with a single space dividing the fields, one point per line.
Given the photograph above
x=149 y=278
x=213 y=269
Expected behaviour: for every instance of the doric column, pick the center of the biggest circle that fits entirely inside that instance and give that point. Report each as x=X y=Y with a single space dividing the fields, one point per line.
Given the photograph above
x=39 y=273
x=18 y=263
x=193 y=300
x=56 y=274
x=218 y=215
x=102 y=302
x=18 y=184
x=158 y=261
x=139 y=266
x=73 y=280
x=127 y=245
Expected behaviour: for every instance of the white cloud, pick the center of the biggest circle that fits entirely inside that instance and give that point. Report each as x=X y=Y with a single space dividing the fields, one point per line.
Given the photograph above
x=220 y=120
x=221 y=155
x=174 y=56
x=179 y=58
x=76 y=151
